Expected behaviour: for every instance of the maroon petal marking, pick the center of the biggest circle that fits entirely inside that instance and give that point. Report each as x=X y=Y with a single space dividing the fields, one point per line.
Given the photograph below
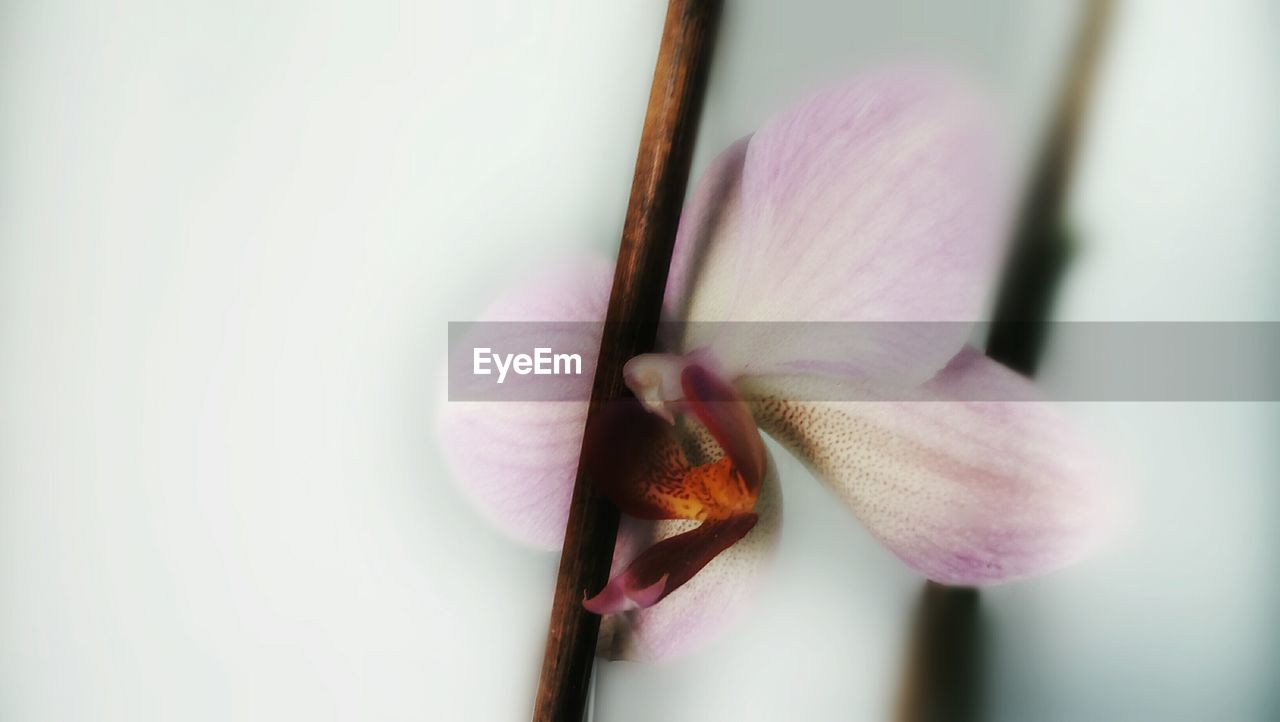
x=629 y=454
x=717 y=405
x=663 y=567
x=634 y=458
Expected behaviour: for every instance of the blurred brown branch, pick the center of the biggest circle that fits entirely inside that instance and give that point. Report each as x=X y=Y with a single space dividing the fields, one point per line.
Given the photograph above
x=1040 y=248
x=631 y=324
x=944 y=677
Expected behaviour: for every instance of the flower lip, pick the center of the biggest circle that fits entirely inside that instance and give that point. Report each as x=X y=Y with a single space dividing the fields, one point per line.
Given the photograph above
x=719 y=407
x=639 y=460
x=663 y=567
x=641 y=465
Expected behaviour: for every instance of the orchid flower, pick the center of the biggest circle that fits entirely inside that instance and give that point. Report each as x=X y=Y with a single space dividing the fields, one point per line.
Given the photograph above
x=880 y=200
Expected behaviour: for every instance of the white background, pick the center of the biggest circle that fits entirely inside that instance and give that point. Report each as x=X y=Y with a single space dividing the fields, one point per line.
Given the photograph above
x=231 y=235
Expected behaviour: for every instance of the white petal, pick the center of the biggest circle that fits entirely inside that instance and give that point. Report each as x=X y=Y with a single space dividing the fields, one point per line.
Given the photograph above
x=963 y=491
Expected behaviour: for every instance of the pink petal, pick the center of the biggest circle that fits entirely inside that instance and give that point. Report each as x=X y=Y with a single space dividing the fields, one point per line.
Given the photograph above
x=517 y=460
x=878 y=201
x=708 y=243
x=965 y=492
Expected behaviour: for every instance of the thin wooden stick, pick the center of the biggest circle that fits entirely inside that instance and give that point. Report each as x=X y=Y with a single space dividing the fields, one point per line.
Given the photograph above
x=946 y=662
x=640 y=278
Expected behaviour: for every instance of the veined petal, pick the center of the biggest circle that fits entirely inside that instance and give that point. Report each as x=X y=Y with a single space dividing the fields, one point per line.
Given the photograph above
x=965 y=492
x=880 y=201
x=517 y=460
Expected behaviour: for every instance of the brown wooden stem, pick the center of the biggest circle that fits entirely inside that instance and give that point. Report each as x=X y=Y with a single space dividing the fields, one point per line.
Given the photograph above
x=639 y=281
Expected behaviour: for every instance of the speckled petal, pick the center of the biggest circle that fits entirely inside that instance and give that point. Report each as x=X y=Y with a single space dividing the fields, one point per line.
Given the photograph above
x=965 y=492
x=877 y=201
x=517 y=459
